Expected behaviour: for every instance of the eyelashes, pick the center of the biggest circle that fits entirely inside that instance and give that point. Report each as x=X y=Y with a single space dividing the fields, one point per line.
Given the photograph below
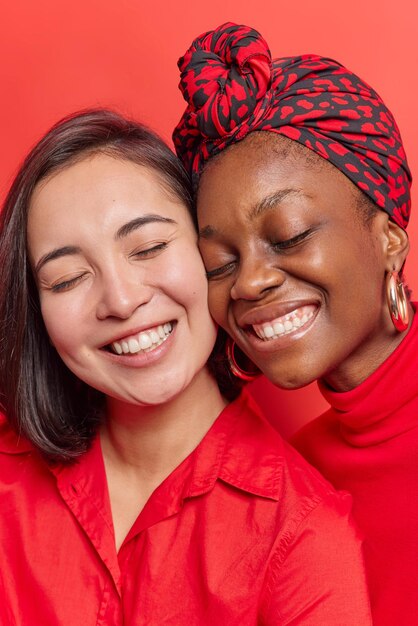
x=278 y=246
x=151 y=251
x=146 y=253
x=290 y=243
x=67 y=284
x=218 y=271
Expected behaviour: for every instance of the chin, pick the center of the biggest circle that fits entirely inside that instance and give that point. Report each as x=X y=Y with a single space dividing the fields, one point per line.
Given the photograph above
x=289 y=380
x=155 y=399
x=141 y=397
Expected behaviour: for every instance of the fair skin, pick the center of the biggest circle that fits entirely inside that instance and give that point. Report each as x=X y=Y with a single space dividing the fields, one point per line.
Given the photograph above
x=124 y=300
x=296 y=277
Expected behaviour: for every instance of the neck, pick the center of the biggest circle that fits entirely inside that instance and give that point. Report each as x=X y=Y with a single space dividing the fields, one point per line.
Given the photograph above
x=142 y=445
x=150 y=441
x=366 y=359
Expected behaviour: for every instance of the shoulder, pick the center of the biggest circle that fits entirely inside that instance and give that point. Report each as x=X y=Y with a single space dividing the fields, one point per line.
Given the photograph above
x=10 y=442
x=322 y=430
x=20 y=463
x=257 y=457
x=317 y=570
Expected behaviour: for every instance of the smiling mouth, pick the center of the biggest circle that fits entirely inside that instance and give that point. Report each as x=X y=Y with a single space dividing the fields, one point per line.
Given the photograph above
x=284 y=325
x=145 y=341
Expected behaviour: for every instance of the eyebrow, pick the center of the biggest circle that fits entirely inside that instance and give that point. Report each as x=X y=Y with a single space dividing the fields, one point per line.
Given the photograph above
x=266 y=204
x=127 y=228
x=269 y=202
x=56 y=254
x=122 y=232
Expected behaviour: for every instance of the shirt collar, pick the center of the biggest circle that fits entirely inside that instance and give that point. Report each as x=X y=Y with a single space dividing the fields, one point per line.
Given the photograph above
x=241 y=449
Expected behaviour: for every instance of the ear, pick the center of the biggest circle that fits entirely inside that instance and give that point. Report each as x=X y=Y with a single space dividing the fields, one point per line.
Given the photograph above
x=397 y=246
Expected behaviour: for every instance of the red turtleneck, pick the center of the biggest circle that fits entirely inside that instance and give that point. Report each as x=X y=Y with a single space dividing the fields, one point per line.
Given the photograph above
x=367 y=443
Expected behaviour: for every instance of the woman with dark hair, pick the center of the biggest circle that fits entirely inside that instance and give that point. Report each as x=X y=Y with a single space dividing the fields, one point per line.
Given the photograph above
x=131 y=491
x=302 y=203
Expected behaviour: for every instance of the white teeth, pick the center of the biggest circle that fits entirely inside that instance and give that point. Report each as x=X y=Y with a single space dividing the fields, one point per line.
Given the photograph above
x=284 y=325
x=133 y=345
x=268 y=331
x=154 y=336
x=278 y=328
x=144 y=341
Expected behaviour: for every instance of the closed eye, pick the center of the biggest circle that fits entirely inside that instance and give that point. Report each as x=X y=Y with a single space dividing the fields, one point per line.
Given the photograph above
x=150 y=252
x=294 y=241
x=220 y=271
x=65 y=285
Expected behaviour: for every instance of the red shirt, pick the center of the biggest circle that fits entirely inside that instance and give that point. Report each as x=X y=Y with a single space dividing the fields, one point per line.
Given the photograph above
x=243 y=532
x=368 y=443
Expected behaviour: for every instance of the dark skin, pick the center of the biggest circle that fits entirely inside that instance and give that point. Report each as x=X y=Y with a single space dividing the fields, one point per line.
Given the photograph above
x=289 y=252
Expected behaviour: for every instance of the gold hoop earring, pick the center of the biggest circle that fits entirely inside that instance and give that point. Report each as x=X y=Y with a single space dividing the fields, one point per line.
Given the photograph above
x=397 y=301
x=233 y=365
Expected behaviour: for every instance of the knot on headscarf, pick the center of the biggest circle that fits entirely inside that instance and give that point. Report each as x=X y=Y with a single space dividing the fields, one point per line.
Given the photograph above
x=224 y=74
x=233 y=88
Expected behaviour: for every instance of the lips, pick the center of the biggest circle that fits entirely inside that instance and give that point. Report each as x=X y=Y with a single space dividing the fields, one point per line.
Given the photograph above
x=277 y=321
x=284 y=324
x=143 y=341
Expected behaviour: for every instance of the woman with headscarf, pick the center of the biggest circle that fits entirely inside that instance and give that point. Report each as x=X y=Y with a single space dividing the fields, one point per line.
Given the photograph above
x=302 y=191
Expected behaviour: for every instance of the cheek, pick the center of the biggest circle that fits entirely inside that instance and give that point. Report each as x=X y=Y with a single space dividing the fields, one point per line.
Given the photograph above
x=218 y=299
x=189 y=288
x=183 y=268
x=358 y=271
x=184 y=279
x=337 y=264
x=61 y=323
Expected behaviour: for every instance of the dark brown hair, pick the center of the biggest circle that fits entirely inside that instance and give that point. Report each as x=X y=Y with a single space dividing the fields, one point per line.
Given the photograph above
x=41 y=397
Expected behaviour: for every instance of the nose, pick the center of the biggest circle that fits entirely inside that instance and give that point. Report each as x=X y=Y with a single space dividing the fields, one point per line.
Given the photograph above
x=121 y=293
x=256 y=277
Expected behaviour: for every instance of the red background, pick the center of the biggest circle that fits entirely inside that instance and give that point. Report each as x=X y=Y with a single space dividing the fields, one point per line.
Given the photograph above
x=58 y=57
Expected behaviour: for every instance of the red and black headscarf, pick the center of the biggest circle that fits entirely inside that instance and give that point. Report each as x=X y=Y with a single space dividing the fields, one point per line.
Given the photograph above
x=233 y=87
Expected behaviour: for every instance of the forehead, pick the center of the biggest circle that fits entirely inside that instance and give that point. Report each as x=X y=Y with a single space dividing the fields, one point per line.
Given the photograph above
x=82 y=175
x=262 y=163
x=100 y=182
x=91 y=198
